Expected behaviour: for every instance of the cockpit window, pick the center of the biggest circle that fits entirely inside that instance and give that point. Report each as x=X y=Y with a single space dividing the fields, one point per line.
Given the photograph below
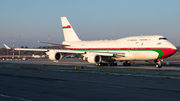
x=162 y=38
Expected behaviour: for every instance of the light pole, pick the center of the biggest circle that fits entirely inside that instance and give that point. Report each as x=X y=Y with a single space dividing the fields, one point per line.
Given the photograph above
x=19 y=47
x=13 y=48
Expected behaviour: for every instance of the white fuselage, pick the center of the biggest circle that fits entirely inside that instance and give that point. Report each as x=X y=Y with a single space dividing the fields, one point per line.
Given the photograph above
x=135 y=48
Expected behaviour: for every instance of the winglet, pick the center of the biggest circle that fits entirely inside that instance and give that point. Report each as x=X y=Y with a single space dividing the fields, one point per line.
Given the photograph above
x=6 y=46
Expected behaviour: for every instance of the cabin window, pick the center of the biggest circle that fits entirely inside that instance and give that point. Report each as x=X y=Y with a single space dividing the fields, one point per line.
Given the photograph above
x=143 y=39
x=158 y=43
x=133 y=39
x=162 y=38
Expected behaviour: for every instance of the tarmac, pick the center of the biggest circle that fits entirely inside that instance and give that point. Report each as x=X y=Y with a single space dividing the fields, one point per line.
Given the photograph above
x=19 y=83
x=167 y=64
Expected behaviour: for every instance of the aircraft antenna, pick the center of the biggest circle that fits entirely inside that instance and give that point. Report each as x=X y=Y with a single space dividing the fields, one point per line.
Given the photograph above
x=19 y=47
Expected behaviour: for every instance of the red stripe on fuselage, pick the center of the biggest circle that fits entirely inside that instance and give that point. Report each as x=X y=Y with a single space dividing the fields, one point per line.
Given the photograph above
x=166 y=51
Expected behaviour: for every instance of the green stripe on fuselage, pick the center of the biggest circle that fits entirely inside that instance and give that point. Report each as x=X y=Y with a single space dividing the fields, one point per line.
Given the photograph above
x=66 y=28
x=160 y=52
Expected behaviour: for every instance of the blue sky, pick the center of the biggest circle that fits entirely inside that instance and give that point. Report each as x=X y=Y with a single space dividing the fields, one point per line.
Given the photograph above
x=34 y=20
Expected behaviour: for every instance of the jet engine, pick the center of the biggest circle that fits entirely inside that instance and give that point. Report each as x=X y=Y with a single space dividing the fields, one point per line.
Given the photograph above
x=55 y=56
x=94 y=59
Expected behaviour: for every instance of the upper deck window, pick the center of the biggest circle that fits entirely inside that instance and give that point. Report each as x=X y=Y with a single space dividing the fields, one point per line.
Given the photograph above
x=162 y=38
x=133 y=39
x=143 y=39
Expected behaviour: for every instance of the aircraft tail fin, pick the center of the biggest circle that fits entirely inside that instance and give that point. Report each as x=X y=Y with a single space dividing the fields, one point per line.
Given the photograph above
x=69 y=33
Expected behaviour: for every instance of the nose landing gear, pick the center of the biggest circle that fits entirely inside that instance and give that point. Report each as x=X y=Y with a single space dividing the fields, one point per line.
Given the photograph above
x=158 y=63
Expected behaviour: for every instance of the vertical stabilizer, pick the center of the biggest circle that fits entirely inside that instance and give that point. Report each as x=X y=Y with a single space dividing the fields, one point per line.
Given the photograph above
x=69 y=34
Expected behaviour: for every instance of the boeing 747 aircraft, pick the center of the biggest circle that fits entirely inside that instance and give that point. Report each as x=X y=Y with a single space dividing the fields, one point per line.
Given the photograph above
x=106 y=52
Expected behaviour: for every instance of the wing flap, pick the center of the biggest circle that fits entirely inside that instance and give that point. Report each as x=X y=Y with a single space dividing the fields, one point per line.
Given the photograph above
x=109 y=54
x=92 y=52
x=28 y=49
x=71 y=51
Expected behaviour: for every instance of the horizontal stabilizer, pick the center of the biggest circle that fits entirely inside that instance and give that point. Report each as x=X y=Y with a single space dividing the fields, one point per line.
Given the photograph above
x=53 y=43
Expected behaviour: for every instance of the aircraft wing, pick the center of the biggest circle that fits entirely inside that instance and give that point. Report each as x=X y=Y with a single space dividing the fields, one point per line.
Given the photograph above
x=30 y=49
x=91 y=52
x=26 y=49
x=71 y=51
x=84 y=52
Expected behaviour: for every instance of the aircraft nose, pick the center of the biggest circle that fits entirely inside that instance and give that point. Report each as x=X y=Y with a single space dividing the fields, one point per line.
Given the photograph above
x=168 y=52
x=173 y=50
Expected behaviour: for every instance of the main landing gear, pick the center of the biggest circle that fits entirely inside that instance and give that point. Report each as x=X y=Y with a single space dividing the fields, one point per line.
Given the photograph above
x=106 y=64
x=126 y=63
x=102 y=64
x=113 y=64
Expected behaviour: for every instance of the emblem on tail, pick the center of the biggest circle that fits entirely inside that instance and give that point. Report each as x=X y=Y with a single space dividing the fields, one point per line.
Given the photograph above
x=69 y=33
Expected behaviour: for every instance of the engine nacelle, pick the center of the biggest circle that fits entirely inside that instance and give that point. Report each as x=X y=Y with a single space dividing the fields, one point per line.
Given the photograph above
x=94 y=59
x=55 y=56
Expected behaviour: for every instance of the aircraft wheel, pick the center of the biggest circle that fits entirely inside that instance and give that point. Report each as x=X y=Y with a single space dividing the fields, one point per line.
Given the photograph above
x=111 y=64
x=115 y=64
x=158 y=66
x=126 y=64
x=101 y=64
x=129 y=64
x=97 y=64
